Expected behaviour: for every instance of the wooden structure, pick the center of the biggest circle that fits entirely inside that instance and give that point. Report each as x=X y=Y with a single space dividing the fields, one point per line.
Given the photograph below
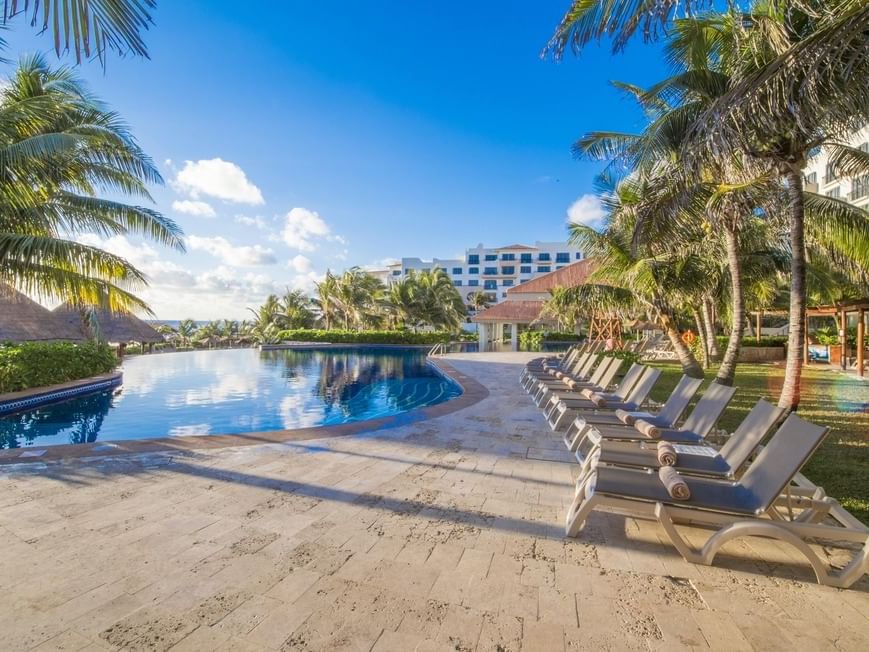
x=602 y=328
x=840 y=313
x=24 y=320
x=114 y=328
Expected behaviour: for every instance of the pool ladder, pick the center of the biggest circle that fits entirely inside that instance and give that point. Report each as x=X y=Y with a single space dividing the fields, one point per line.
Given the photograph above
x=438 y=349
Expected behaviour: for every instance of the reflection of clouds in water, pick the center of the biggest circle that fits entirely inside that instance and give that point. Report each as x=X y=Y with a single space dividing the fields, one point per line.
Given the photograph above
x=228 y=387
x=187 y=431
x=298 y=412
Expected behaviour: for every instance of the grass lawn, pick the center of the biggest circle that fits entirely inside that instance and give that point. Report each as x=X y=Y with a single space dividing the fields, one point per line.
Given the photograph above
x=829 y=398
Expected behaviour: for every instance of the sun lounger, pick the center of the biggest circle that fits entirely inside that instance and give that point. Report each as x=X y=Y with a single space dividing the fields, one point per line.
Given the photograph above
x=693 y=431
x=630 y=395
x=667 y=417
x=600 y=381
x=580 y=370
x=532 y=375
x=692 y=460
x=749 y=507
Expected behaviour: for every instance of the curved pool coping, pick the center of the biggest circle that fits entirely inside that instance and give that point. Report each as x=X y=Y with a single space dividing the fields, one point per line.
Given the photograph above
x=472 y=393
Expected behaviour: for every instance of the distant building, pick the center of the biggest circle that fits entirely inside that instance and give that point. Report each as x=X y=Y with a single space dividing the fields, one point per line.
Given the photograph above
x=822 y=177
x=493 y=270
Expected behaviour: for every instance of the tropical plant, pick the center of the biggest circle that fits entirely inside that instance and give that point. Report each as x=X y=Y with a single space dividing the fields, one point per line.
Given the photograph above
x=60 y=148
x=296 y=310
x=88 y=27
x=479 y=300
x=186 y=331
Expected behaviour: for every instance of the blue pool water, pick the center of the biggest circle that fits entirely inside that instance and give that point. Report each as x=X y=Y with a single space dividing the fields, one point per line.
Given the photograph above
x=237 y=391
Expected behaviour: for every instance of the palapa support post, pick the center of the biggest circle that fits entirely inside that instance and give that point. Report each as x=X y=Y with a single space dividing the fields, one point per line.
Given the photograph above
x=758 y=327
x=861 y=334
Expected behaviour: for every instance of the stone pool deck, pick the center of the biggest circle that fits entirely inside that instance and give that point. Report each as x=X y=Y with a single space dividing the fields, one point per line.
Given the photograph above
x=444 y=534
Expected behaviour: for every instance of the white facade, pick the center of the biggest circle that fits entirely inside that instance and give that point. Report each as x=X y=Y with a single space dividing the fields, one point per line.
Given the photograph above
x=494 y=270
x=821 y=178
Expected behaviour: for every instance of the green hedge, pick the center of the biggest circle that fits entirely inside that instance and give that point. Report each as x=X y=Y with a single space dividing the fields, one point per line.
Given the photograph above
x=555 y=336
x=365 y=337
x=36 y=364
x=751 y=340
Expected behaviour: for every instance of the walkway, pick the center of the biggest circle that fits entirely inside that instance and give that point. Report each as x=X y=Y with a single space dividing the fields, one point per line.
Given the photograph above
x=439 y=535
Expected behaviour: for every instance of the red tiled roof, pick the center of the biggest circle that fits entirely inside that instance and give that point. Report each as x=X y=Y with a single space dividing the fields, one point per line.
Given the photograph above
x=523 y=312
x=568 y=276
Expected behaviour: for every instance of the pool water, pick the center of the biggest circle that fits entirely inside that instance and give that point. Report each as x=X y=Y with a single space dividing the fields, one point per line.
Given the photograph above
x=237 y=391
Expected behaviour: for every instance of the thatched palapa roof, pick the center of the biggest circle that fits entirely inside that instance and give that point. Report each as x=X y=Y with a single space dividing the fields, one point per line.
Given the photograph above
x=117 y=328
x=24 y=320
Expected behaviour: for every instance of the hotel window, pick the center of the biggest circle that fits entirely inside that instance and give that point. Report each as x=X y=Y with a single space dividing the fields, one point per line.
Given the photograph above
x=525 y=258
x=579 y=255
x=860 y=187
x=490 y=270
x=507 y=283
x=473 y=270
x=396 y=272
x=562 y=257
x=508 y=256
x=491 y=257
x=525 y=269
x=458 y=284
x=503 y=295
x=812 y=178
x=474 y=259
x=407 y=271
x=457 y=271
x=543 y=268
x=490 y=285
x=473 y=283
x=831 y=173
x=544 y=257
x=508 y=270
x=835 y=193
x=864 y=147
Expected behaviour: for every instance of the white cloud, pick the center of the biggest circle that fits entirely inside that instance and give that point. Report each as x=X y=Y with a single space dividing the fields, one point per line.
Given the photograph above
x=300 y=264
x=586 y=210
x=302 y=227
x=256 y=222
x=191 y=207
x=217 y=178
x=236 y=256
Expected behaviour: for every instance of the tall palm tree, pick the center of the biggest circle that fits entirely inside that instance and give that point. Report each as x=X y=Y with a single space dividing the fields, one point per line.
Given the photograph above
x=60 y=149
x=440 y=304
x=296 y=310
x=327 y=299
x=479 y=300
x=186 y=331
x=88 y=27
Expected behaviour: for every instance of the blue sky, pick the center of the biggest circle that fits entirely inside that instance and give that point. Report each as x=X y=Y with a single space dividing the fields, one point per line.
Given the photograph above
x=303 y=136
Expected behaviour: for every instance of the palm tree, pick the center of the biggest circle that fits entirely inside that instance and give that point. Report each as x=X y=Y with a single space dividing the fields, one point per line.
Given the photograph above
x=440 y=304
x=186 y=331
x=296 y=310
x=327 y=299
x=88 y=27
x=402 y=299
x=60 y=148
x=479 y=300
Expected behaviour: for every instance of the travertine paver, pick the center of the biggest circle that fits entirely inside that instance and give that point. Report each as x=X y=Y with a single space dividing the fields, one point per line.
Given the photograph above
x=439 y=535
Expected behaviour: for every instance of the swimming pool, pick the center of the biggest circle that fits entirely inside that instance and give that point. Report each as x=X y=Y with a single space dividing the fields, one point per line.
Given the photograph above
x=237 y=391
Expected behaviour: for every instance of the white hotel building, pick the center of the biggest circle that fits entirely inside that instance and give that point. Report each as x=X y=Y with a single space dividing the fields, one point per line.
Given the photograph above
x=493 y=270
x=822 y=178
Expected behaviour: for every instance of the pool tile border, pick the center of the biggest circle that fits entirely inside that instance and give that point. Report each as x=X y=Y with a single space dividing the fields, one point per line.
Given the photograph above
x=472 y=393
x=31 y=398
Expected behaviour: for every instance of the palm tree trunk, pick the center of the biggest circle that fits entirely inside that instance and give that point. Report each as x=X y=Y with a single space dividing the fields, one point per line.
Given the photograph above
x=690 y=366
x=702 y=334
x=727 y=370
x=709 y=323
x=790 y=391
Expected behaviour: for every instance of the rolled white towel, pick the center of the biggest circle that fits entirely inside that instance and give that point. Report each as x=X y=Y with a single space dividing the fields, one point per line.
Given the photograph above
x=650 y=430
x=626 y=417
x=598 y=400
x=674 y=483
x=667 y=455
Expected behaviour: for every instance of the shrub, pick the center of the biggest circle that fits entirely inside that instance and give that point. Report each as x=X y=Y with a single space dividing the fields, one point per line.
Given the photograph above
x=750 y=340
x=530 y=340
x=364 y=337
x=564 y=336
x=37 y=364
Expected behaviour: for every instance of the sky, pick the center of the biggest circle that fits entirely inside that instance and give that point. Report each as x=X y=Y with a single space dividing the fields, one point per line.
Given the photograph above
x=306 y=136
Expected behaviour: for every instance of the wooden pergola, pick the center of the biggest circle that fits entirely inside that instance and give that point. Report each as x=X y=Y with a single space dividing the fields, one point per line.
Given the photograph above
x=838 y=312
x=603 y=327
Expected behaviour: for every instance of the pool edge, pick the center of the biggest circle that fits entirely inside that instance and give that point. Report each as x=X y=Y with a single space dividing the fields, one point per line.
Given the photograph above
x=472 y=393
